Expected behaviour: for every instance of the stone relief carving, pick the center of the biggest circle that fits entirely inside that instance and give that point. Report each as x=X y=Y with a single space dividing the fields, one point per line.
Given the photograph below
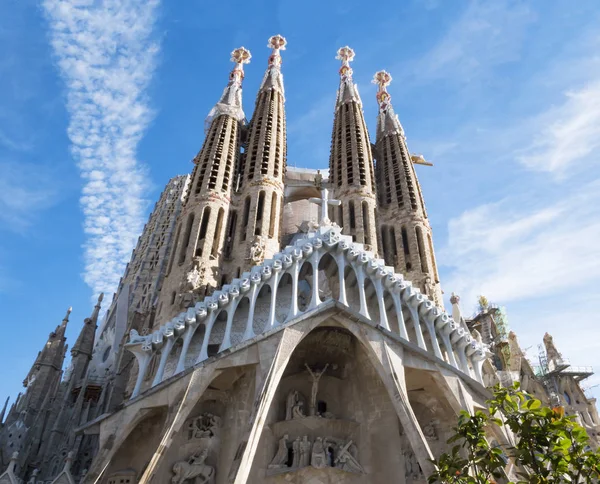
x=281 y=457
x=412 y=469
x=257 y=250
x=429 y=431
x=294 y=406
x=194 y=468
x=323 y=452
x=206 y=425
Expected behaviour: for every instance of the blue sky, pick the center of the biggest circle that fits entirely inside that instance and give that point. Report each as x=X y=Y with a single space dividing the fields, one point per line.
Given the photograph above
x=101 y=102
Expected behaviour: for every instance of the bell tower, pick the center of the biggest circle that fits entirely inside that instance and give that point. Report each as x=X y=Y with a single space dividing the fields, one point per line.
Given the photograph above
x=403 y=224
x=261 y=171
x=194 y=266
x=351 y=161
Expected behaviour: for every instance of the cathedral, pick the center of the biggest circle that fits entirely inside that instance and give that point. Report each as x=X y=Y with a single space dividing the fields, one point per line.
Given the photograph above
x=276 y=324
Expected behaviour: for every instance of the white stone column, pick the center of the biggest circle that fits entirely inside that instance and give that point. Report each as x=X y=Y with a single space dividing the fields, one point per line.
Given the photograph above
x=209 y=326
x=383 y=320
x=360 y=281
x=166 y=349
x=400 y=315
x=341 y=264
x=143 y=355
x=226 y=343
x=249 y=333
x=294 y=272
x=274 y=283
x=314 y=261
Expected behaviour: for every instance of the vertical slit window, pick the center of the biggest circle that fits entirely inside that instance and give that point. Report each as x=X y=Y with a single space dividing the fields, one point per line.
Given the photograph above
x=245 y=219
x=421 y=247
x=202 y=232
x=366 y=223
x=174 y=250
x=341 y=215
x=406 y=249
x=259 y=213
x=273 y=215
x=230 y=234
x=186 y=238
x=217 y=237
x=351 y=215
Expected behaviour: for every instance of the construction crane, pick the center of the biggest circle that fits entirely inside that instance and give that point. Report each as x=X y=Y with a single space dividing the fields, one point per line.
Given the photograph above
x=420 y=160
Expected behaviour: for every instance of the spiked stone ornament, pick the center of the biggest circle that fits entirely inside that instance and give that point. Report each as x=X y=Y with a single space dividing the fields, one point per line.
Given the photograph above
x=382 y=79
x=240 y=56
x=277 y=43
x=346 y=55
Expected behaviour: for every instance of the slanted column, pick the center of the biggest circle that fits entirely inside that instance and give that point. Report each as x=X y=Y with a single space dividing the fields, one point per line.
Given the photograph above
x=249 y=333
x=314 y=261
x=341 y=262
x=445 y=332
x=209 y=325
x=417 y=325
x=227 y=336
x=360 y=279
x=274 y=283
x=295 y=272
x=383 y=320
x=460 y=343
x=166 y=350
x=143 y=354
x=400 y=315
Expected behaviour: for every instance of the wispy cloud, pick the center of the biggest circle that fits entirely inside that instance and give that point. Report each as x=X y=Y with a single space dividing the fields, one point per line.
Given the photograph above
x=513 y=254
x=568 y=133
x=25 y=190
x=106 y=54
x=486 y=34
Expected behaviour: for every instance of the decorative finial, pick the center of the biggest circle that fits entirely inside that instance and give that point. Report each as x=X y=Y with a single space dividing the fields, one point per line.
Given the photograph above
x=346 y=55
x=239 y=56
x=382 y=79
x=277 y=43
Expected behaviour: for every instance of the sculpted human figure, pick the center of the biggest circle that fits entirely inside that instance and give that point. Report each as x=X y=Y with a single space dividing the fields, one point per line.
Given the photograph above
x=194 y=468
x=297 y=411
x=318 y=458
x=291 y=400
x=316 y=376
x=296 y=445
x=281 y=456
x=305 y=448
x=346 y=458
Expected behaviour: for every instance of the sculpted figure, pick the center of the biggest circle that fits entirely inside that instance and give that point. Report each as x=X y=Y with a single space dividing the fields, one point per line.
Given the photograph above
x=316 y=376
x=257 y=251
x=281 y=456
x=318 y=457
x=297 y=411
x=346 y=458
x=296 y=445
x=305 y=448
x=292 y=399
x=194 y=468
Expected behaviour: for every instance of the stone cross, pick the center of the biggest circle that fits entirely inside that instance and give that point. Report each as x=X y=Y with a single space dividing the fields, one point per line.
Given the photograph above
x=324 y=201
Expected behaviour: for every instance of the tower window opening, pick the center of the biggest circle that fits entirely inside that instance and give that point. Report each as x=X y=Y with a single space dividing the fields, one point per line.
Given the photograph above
x=273 y=215
x=393 y=246
x=341 y=215
x=173 y=296
x=174 y=250
x=217 y=237
x=230 y=239
x=245 y=219
x=366 y=223
x=202 y=232
x=421 y=247
x=259 y=213
x=186 y=238
x=351 y=215
x=406 y=248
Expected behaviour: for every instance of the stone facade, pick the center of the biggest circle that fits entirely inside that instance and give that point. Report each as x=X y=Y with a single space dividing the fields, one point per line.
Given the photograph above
x=264 y=332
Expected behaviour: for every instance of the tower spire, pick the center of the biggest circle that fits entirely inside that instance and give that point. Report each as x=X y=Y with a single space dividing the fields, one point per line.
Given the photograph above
x=351 y=172
x=405 y=232
x=195 y=261
x=261 y=171
x=84 y=346
x=273 y=79
x=230 y=102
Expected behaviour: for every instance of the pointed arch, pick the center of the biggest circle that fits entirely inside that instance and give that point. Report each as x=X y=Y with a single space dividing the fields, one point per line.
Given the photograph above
x=202 y=232
x=352 y=290
x=329 y=280
x=239 y=321
x=372 y=300
x=390 y=310
x=262 y=307
x=305 y=283
x=273 y=217
x=186 y=238
x=421 y=248
x=217 y=237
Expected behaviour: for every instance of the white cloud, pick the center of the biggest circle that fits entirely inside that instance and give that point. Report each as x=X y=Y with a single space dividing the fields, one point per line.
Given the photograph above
x=106 y=54
x=485 y=34
x=510 y=252
x=25 y=190
x=567 y=133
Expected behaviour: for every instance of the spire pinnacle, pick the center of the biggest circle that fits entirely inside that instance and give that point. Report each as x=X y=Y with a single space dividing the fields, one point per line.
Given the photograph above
x=346 y=55
x=387 y=121
x=348 y=91
x=273 y=78
x=231 y=99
